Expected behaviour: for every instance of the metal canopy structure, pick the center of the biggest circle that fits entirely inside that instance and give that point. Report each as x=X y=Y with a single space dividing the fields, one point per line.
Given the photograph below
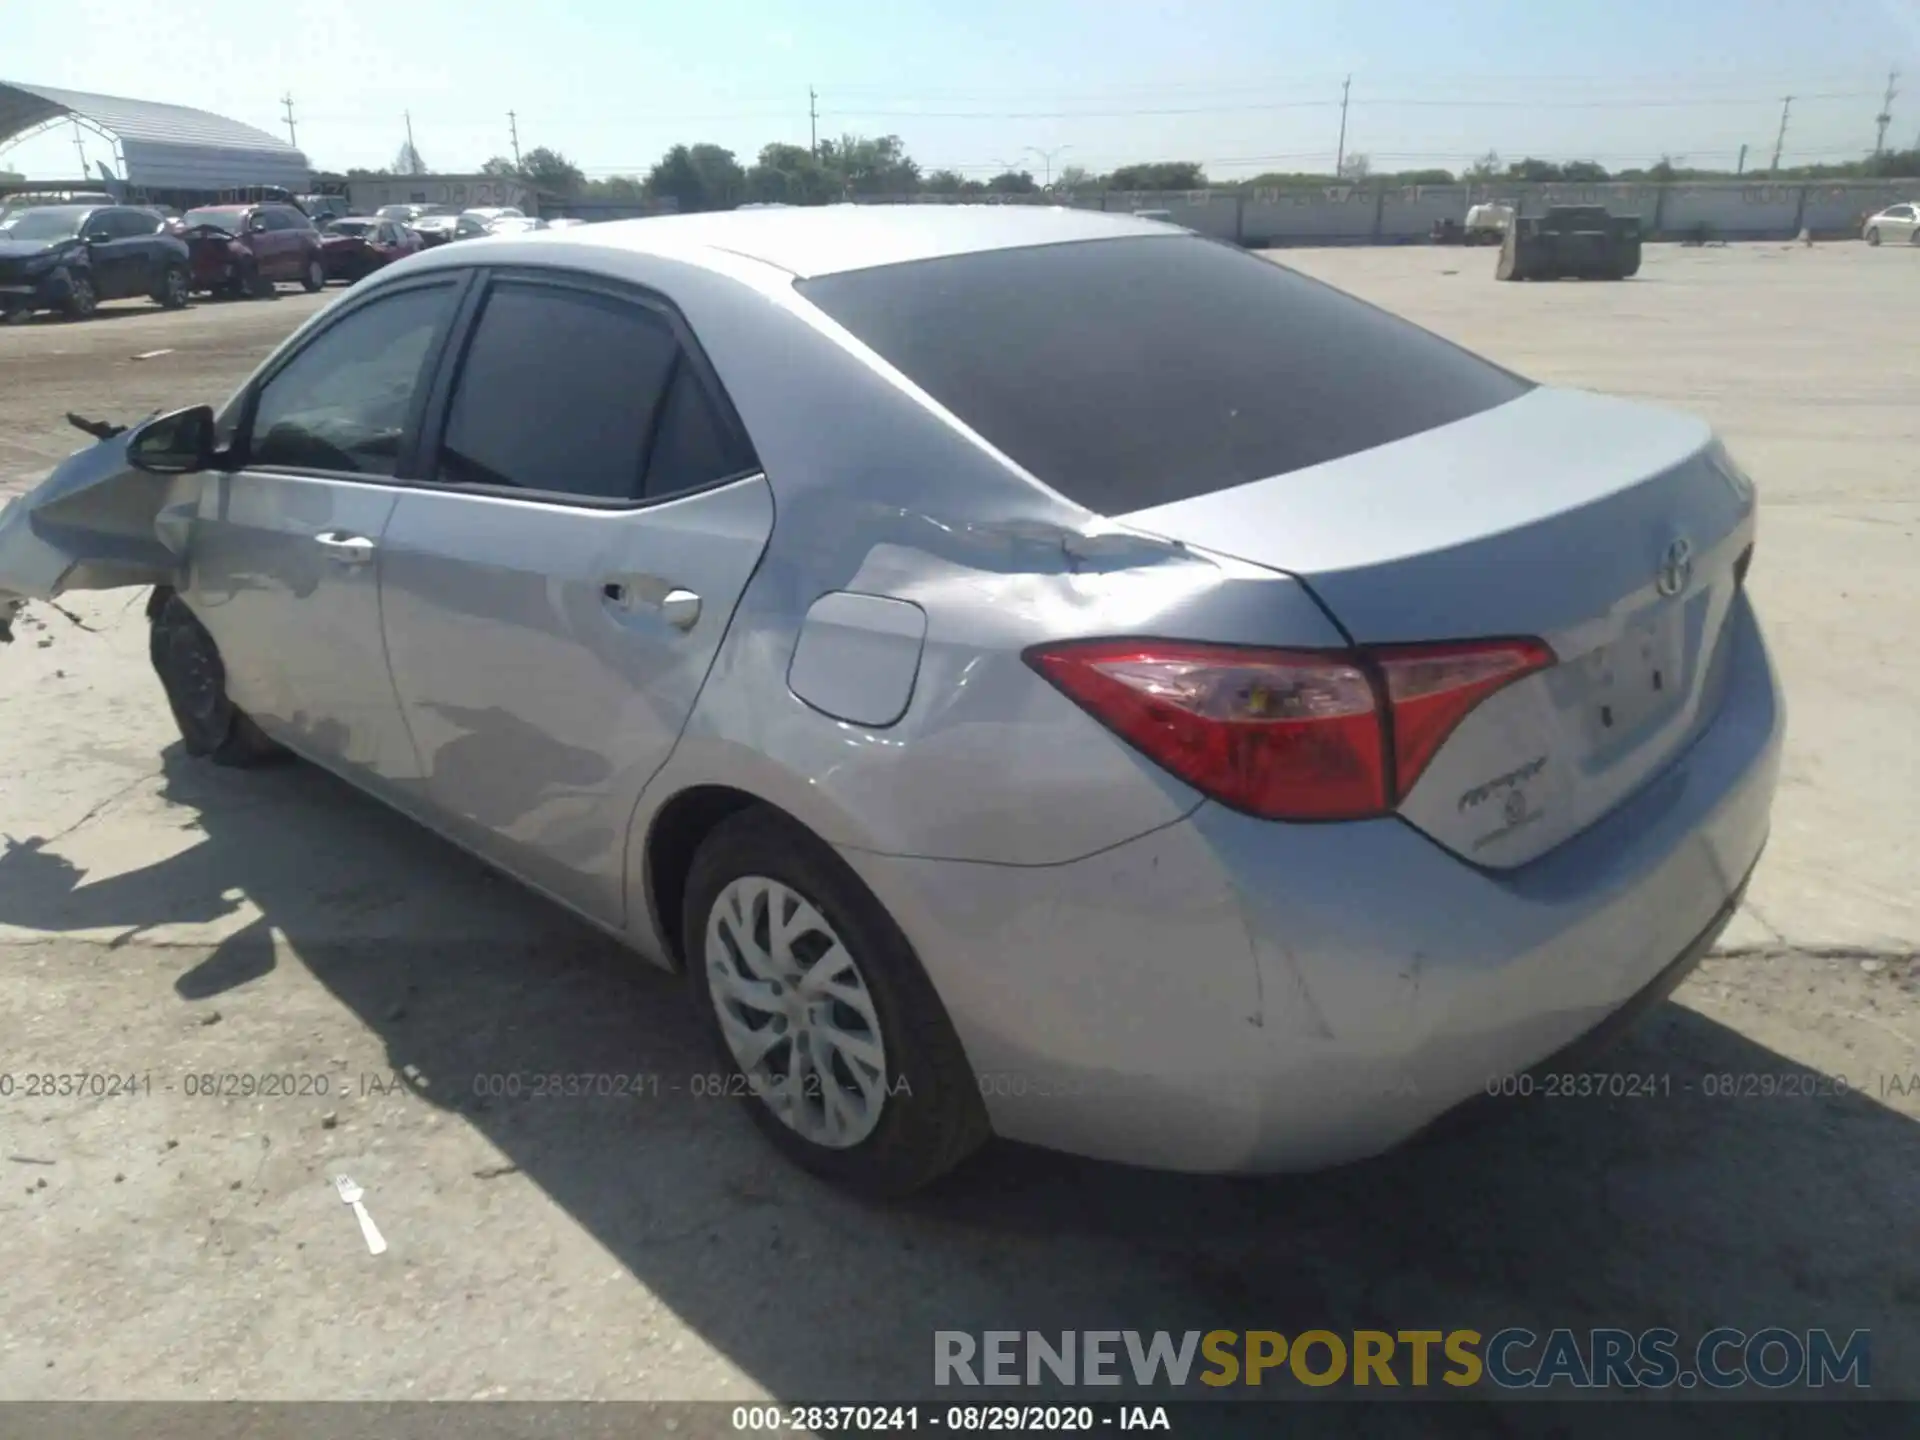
x=157 y=147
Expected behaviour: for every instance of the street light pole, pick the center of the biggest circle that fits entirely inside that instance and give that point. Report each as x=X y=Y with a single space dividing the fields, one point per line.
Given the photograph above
x=1047 y=156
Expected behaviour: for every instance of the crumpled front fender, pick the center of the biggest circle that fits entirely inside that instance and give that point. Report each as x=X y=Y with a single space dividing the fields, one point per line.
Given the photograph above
x=95 y=523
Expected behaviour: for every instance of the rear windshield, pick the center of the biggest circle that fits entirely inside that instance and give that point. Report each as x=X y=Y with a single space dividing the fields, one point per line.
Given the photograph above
x=1138 y=372
x=227 y=220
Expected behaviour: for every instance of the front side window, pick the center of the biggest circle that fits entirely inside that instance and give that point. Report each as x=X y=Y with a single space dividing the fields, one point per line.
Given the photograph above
x=342 y=403
x=557 y=392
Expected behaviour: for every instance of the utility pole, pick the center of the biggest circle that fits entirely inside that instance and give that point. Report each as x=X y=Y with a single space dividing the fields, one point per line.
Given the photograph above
x=1885 y=117
x=293 y=138
x=80 y=148
x=1340 y=155
x=813 y=122
x=1741 y=168
x=413 y=155
x=1780 y=140
x=513 y=129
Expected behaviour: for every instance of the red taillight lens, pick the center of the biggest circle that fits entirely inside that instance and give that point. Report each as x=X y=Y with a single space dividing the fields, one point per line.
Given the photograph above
x=1432 y=688
x=1286 y=734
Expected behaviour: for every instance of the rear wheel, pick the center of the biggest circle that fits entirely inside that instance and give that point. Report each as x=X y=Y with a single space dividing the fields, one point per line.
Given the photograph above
x=195 y=680
x=830 y=1030
x=82 y=299
x=316 y=276
x=1873 y=235
x=171 y=293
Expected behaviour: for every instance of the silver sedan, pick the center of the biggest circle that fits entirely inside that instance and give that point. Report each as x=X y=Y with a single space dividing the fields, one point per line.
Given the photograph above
x=1036 y=673
x=1896 y=225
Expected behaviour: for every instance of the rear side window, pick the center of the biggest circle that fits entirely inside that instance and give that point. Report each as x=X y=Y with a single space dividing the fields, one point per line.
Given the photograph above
x=1139 y=372
x=693 y=446
x=558 y=392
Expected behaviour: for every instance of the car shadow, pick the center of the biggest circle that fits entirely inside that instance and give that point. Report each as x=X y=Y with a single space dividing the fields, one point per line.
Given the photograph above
x=1675 y=1209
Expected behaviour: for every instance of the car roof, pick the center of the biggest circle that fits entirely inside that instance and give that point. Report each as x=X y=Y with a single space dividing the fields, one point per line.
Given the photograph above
x=807 y=241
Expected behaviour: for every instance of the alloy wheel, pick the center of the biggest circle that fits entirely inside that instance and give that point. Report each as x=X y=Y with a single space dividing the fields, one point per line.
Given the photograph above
x=795 y=1012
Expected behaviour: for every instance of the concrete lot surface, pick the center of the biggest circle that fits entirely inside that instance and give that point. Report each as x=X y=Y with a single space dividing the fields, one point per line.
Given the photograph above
x=165 y=920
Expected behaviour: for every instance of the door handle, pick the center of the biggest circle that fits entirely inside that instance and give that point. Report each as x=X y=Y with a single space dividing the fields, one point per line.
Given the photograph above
x=347 y=549
x=679 y=608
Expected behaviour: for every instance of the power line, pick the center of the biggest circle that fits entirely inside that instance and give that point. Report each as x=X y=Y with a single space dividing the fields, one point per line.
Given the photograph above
x=1885 y=117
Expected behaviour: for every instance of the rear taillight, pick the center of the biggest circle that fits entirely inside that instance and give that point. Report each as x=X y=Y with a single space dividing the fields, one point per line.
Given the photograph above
x=1287 y=734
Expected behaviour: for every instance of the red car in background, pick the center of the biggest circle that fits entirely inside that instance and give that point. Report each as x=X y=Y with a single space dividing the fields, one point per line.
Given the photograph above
x=354 y=248
x=248 y=249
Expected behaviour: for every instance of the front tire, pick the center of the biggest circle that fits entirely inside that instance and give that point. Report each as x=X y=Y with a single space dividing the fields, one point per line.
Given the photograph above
x=826 y=1024
x=315 y=278
x=173 y=289
x=82 y=301
x=1873 y=235
x=188 y=663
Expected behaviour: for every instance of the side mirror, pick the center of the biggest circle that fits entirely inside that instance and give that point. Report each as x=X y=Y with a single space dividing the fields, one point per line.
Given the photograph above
x=99 y=237
x=256 y=224
x=176 y=444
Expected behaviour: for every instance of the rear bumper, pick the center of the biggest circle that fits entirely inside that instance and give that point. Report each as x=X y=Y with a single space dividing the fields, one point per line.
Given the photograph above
x=1228 y=994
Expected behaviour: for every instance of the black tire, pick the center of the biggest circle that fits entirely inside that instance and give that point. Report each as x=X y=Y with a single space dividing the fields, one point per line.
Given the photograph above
x=82 y=301
x=173 y=289
x=932 y=1117
x=188 y=663
x=1873 y=235
x=314 y=278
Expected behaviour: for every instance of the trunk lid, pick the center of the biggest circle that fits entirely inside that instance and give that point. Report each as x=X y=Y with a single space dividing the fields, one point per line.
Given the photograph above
x=1612 y=531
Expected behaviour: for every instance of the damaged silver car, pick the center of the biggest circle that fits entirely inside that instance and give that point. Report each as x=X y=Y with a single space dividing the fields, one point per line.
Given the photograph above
x=1037 y=673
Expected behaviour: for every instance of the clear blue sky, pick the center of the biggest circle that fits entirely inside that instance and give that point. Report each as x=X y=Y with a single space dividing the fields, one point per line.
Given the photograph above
x=972 y=83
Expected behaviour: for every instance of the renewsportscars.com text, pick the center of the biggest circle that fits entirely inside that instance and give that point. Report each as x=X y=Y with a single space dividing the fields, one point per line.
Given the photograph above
x=1771 y=1358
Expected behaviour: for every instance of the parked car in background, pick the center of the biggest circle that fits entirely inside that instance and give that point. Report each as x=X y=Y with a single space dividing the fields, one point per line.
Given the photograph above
x=515 y=225
x=1897 y=225
x=278 y=241
x=487 y=214
x=322 y=208
x=439 y=229
x=72 y=257
x=565 y=222
x=407 y=214
x=357 y=246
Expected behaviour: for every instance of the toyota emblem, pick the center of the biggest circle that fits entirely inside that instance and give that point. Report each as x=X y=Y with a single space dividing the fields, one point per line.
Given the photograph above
x=1676 y=567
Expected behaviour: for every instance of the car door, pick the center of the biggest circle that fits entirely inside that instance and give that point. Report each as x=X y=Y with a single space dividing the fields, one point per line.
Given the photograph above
x=114 y=254
x=554 y=595
x=284 y=552
x=1905 y=223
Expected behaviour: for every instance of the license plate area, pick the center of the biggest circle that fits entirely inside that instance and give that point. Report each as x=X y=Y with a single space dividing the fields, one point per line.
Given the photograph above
x=1637 y=681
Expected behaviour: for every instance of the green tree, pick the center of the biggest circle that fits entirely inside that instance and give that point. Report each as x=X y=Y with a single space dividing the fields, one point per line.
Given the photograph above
x=1076 y=177
x=1161 y=175
x=625 y=189
x=551 y=171
x=1584 y=172
x=1486 y=167
x=1531 y=169
x=866 y=165
x=499 y=165
x=1356 y=167
x=1013 y=182
x=789 y=175
x=698 y=177
x=408 y=160
x=943 y=182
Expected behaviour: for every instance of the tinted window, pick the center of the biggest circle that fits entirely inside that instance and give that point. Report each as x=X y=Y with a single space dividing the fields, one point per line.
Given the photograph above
x=342 y=403
x=1132 y=373
x=693 y=445
x=557 y=392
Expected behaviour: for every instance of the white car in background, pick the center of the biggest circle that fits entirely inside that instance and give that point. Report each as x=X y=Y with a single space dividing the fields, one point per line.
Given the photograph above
x=515 y=225
x=487 y=214
x=1895 y=224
